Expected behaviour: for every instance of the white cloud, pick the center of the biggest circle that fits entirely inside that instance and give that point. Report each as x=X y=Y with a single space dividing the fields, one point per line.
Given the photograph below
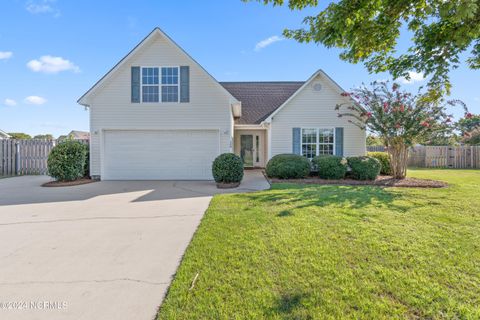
x=41 y=7
x=266 y=42
x=414 y=77
x=50 y=64
x=36 y=8
x=10 y=102
x=35 y=100
x=4 y=55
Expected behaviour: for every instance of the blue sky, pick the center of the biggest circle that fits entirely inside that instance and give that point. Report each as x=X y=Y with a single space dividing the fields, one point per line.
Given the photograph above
x=52 y=51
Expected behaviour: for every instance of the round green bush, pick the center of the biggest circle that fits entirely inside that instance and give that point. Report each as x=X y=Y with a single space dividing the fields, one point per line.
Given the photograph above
x=330 y=167
x=227 y=168
x=288 y=166
x=384 y=159
x=364 y=168
x=66 y=161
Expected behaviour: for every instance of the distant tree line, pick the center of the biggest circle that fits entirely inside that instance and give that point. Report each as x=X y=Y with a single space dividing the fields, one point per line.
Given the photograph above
x=25 y=136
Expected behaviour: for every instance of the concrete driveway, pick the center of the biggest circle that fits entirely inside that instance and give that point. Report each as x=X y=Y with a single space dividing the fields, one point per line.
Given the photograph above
x=106 y=250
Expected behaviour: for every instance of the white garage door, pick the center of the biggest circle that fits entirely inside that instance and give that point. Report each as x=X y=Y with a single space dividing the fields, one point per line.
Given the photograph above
x=160 y=155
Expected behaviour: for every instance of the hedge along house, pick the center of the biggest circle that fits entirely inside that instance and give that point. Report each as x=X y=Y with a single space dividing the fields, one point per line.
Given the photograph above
x=159 y=115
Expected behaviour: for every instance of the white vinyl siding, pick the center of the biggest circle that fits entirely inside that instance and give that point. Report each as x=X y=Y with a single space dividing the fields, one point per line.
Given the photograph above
x=209 y=106
x=314 y=109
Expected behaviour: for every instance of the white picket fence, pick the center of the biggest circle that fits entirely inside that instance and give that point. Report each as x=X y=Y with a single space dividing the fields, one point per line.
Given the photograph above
x=20 y=157
x=458 y=157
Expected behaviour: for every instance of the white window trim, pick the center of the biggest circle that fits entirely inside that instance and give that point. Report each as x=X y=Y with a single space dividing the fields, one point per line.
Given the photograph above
x=159 y=84
x=317 y=144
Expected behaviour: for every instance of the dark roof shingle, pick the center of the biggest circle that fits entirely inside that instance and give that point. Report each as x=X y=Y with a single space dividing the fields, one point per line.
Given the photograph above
x=260 y=99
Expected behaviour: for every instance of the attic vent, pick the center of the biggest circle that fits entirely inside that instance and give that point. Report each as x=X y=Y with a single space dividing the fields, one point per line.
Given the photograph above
x=317 y=86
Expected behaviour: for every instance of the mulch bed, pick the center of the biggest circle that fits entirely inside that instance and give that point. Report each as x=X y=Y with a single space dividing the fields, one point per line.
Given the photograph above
x=383 y=181
x=68 y=183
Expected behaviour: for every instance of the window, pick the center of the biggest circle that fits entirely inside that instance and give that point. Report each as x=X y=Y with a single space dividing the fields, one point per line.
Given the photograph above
x=156 y=86
x=170 y=84
x=317 y=141
x=150 y=84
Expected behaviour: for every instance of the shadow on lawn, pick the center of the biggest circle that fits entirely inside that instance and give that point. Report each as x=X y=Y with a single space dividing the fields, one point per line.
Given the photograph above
x=290 y=306
x=356 y=197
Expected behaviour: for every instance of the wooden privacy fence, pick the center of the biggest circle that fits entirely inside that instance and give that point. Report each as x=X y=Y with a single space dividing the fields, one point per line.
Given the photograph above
x=459 y=157
x=19 y=157
x=376 y=148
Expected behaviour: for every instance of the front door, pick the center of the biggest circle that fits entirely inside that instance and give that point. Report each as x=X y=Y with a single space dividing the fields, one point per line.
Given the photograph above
x=251 y=150
x=246 y=149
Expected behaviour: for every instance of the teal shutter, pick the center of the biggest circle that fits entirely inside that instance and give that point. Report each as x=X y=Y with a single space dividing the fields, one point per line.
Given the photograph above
x=296 y=140
x=135 y=83
x=184 y=84
x=339 y=142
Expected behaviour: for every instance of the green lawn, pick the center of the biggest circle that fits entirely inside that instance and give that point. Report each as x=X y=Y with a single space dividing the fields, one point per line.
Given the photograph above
x=330 y=252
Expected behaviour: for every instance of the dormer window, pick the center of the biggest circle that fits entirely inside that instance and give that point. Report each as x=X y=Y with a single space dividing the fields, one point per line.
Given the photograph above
x=170 y=84
x=155 y=86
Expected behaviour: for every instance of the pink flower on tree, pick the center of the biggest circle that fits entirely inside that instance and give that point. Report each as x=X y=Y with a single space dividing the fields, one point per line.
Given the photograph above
x=399 y=118
x=425 y=124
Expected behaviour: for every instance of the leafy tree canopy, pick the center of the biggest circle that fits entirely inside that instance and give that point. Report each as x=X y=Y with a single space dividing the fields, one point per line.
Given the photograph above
x=19 y=135
x=468 y=123
x=368 y=31
x=443 y=137
x=47 y=136
x=374 y=141
x=399 y=118
x=472 y=138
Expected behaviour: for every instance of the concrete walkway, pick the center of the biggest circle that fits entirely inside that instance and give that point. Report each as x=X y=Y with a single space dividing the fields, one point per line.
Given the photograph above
x=106 y=250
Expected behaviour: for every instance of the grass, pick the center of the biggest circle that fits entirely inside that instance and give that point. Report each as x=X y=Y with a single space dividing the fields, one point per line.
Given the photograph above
x=331 y=252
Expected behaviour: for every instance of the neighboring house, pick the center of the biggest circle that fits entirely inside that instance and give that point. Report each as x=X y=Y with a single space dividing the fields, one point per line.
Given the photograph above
x=4 y=135
x=159 y=115
x=75 y=135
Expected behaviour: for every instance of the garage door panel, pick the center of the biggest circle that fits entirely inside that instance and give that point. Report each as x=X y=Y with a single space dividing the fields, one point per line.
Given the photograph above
x=160 y=155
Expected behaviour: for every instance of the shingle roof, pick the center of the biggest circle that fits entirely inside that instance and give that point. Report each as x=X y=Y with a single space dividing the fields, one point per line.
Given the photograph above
x=260 y=99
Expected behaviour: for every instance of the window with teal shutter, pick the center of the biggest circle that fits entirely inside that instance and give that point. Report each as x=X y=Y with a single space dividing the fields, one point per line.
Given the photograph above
x=339 y=141
x=184 y=84
x=135 y=84
x=296 y=136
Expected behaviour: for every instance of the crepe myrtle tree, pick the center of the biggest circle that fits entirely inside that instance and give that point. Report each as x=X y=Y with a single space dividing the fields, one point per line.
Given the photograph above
x=399 y=118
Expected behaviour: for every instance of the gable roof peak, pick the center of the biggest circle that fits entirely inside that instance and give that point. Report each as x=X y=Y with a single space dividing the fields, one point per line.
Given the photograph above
x=84 y=99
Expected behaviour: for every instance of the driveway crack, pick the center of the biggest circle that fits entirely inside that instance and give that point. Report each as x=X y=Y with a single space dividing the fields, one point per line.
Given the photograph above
x=84 y=281
x=101 y=218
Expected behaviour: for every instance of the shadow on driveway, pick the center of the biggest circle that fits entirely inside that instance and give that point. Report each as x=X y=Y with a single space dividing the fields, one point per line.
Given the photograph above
x=28 y=189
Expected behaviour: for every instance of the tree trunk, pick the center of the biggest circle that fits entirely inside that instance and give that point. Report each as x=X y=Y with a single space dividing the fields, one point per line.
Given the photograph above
x=398 y=152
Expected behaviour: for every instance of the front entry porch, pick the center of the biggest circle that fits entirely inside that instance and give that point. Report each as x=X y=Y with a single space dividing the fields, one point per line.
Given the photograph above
x=251 y=146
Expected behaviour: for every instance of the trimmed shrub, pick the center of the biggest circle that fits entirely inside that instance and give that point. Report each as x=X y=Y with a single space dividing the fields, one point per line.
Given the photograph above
x=330 y=167
x=227 y=168
x=66 y=161
x=288 y=166
x=364 y=168
x=384 y=159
